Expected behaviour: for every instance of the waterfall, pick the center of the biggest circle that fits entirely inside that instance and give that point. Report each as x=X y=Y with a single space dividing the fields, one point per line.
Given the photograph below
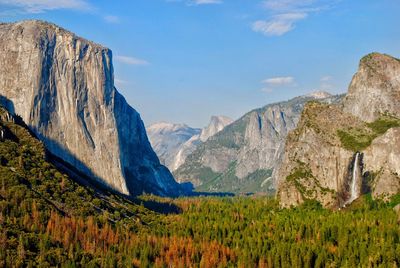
x=355 y=184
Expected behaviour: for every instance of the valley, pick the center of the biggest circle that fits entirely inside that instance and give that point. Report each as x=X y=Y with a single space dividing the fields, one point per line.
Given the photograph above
x=311 y=181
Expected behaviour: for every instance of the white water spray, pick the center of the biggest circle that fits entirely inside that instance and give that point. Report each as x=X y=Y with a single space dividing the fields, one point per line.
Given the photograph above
x=354 y=190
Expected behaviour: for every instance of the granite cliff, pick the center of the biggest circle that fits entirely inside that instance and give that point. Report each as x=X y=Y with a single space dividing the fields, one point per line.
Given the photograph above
x=339 y=152
x=241 y=157
x=63 y=88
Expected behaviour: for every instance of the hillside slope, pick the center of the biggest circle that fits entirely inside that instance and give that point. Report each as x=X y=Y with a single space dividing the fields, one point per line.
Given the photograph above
x=63 y=88
x=48 y=220
x=242 y=156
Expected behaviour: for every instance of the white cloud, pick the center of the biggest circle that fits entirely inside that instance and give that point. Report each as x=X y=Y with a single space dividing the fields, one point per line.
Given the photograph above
x=112 y=19
x=197 y=2
x=206 y=2
x=131 y=60
x=275 y=82
x=279 y=81
x=284 y=14
x=289 y=5
x=39 y=6
x=279 y=24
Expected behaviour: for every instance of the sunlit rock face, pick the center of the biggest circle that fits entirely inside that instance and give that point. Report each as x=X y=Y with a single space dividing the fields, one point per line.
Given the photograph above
x=318 y=165
x=314 y=165
x=63 y=88
x=243 y=152
x=383 y=159
x=375 y=88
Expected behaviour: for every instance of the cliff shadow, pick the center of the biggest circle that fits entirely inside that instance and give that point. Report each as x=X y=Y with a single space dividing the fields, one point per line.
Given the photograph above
x=104 y=191
x=8 y=104
x=77 y=170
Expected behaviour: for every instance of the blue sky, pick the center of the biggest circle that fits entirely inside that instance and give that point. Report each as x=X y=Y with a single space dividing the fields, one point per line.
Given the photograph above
x=184 y=60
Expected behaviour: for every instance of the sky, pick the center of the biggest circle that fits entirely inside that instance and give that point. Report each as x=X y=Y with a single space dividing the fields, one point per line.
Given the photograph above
x=183 y=61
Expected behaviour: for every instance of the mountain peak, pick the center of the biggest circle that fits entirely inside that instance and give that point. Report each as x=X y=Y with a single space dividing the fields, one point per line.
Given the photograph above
x=375 y=88
x=375 y=58
x=217 y=123
x=166 y=126
x=40 y=28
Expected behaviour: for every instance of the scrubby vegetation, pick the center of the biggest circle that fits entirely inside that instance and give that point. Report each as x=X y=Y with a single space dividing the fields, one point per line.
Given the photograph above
x=360 y=138
x=228 y=182
x=47 y=219
x=301 y=176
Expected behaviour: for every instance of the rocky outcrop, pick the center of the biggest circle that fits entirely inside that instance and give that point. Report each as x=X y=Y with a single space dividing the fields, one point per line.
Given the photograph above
x=382 y=159
x=375 y=88
x=240 y=157
x=174 y=142
x=338 y=152
x=315 y=164
x=63 y=88
x=217 y=123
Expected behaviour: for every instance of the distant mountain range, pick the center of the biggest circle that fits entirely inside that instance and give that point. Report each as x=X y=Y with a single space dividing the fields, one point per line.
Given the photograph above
x=174 y=142
x=231 y=157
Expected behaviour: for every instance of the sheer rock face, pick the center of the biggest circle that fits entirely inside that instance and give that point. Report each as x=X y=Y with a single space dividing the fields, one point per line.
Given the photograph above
x=383 y=159
x=217 y=123
x=62 y=86
x=315 y=166
x=375 y=88
x=315 y=146
x=264 y=137
x=251 y=144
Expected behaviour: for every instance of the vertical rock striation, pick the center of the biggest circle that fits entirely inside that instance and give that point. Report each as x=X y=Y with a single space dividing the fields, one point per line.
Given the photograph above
x=339 y=151
x=63 y=88
x=375 y=88
x=241 y=156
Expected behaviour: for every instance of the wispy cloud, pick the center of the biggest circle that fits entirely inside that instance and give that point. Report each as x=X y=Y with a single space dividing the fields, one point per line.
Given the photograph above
x=282 y=15
x=131 y=60
x=197 y=2
x=279 y=81
x=274 y=82
x=112 y=19
x=295 y=5
x=279 y=24
x=40 y=6
x=206 y=2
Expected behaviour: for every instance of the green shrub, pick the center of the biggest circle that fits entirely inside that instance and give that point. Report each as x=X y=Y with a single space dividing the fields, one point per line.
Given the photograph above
x=357 y=140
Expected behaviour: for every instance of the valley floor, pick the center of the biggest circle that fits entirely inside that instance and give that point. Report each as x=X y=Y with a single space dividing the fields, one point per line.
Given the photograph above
x=208 y=232
x=47 y=219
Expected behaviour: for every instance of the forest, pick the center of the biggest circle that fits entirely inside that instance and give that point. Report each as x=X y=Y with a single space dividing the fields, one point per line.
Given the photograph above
x=48 y=219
